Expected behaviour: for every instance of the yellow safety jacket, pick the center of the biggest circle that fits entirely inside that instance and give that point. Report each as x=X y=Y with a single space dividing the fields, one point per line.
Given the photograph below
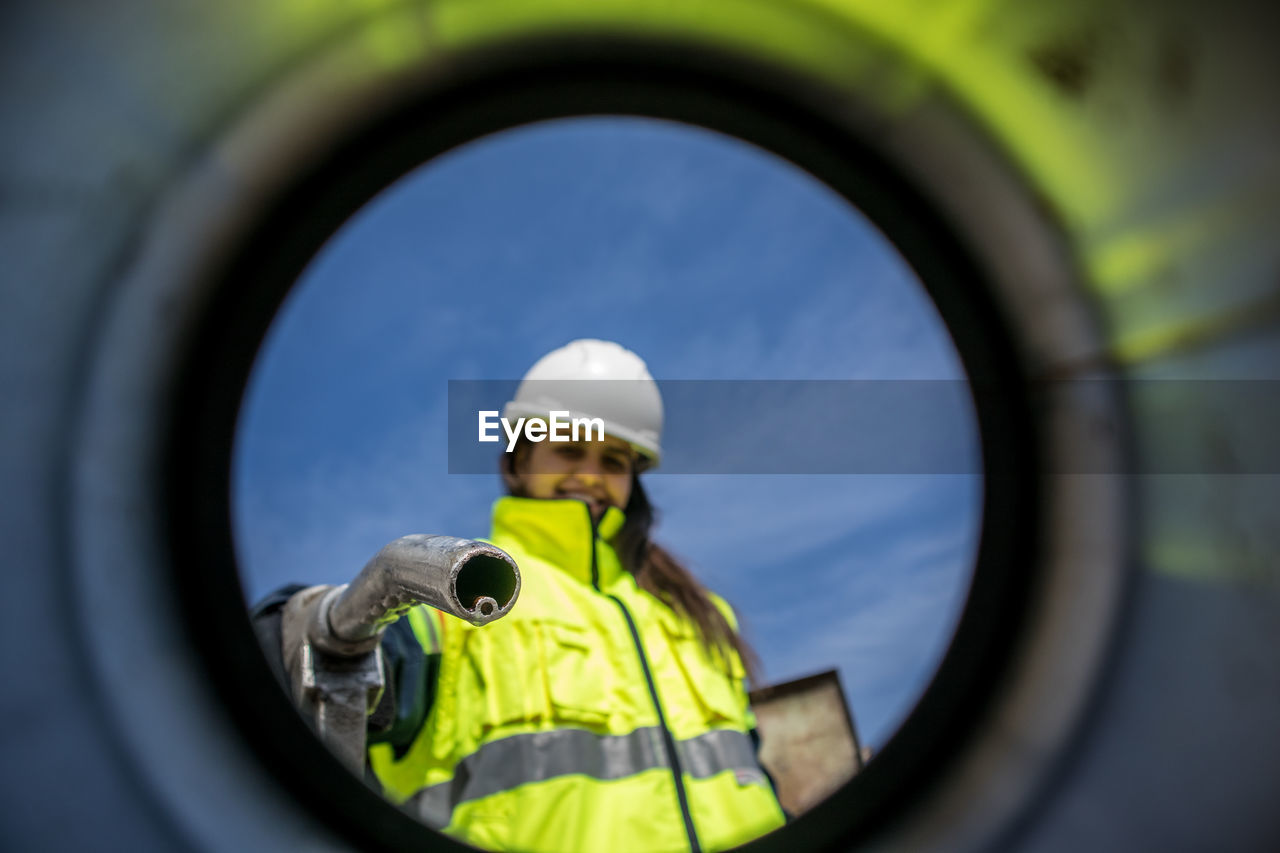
x=589 y=718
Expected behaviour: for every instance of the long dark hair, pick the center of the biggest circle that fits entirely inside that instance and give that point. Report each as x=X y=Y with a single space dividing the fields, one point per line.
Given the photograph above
x=664 y=577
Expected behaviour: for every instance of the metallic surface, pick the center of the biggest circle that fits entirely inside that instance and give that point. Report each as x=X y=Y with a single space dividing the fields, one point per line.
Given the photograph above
x=334 y=692
x=420 y=569
x=330 y=635
x=1113 y=165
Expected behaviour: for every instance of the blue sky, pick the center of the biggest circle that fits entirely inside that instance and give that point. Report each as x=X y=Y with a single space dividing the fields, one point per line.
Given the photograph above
x=711 y=259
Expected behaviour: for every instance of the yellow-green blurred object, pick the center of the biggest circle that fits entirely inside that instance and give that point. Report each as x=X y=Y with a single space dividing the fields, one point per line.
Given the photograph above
x=141 y=138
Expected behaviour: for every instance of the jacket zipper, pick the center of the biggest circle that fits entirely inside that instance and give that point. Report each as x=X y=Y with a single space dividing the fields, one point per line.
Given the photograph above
x=668 y=740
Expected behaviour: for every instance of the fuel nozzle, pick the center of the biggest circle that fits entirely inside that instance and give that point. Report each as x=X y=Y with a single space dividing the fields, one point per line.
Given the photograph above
x=330 y=634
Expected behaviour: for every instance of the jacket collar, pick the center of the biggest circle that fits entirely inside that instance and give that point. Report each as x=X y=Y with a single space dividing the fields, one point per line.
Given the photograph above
x=560 y=532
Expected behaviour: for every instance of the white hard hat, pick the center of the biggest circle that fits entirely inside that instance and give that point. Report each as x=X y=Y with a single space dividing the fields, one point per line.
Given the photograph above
x=624 y=395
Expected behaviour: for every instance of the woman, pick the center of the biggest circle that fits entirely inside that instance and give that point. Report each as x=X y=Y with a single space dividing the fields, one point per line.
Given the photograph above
x=607 y=711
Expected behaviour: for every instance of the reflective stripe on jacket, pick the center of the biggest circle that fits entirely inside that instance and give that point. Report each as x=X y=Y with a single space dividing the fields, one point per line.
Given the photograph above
x=589 y=718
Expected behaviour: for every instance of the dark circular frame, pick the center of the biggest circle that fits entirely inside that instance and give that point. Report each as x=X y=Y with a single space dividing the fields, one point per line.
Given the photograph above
x=490 y=91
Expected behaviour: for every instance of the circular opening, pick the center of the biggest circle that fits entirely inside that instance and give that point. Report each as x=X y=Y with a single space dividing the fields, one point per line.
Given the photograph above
x=846 y=568
x=800 y=479
x=482 y=579
x=293 y=231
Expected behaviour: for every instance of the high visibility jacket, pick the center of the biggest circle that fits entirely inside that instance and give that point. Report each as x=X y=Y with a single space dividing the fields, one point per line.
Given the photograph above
x=589 y=718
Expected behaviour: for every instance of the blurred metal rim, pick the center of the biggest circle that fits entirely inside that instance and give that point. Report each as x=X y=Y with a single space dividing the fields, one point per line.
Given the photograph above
x=143 y=563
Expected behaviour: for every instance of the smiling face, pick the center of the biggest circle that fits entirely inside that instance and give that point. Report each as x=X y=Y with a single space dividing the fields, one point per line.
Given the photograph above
x=595 y=472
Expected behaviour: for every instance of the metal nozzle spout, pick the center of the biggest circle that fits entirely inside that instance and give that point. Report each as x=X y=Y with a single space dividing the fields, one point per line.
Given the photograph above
x=472 y=580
